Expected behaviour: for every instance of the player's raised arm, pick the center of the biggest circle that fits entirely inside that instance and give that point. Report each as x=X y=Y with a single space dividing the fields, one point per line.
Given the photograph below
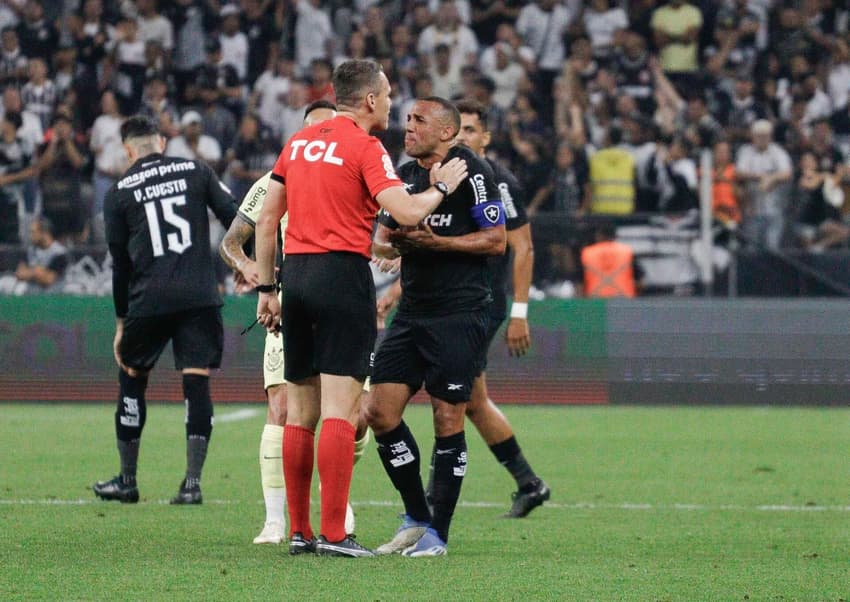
x=410 y=209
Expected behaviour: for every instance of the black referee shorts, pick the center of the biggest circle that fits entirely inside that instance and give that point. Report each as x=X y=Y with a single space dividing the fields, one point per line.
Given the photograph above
x=329 y=317
x=196 y=335
x=444 y=352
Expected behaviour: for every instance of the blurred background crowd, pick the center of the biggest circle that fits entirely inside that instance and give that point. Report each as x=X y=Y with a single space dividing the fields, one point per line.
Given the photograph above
x=600 y=107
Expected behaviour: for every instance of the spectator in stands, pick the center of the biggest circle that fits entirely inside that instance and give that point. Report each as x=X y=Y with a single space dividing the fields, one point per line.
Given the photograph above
x=39 y=93
x=268 y=97
x=218 y=122
x=765 y=169
x=59 y=167
x=292 y=117
x=313 y=34
x=47 y=261
x=820 y=224
x=13 y=62
x=374 y=30
x=215 y=73
x=675 y=29
x=128 y=64
x=506 y=74
x=725 y=189
x=320 y=81
x=263 y=35
x=191 y=19
x=487 y=17
x=677 y=177
x=632 y=71
x=152 y=26
x=252 y=155
x=605 y=26
x=609 y=267
x=65 y=69
x=838 y=79
x=234 y=43
x=448 y=30
x=542 y=25
x=30 y=130
x=16 y=167
x=612 y=179
x=444 y=72
x=156 y=100
x=193 y=143
x=38 y=36
x=405 y=61
x=110 y=158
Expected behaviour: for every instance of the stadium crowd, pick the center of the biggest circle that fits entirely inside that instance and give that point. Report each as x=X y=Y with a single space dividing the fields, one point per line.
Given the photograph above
x=600 y=107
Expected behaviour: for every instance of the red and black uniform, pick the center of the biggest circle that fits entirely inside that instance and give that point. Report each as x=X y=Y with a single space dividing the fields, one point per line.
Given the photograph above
x=332 y=172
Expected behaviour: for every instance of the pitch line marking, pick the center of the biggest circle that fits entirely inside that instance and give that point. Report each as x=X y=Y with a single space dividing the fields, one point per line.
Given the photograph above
x=237 y=416
x=626 y=506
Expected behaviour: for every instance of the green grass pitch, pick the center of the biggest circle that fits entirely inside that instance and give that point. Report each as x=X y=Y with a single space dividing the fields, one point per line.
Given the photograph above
x=648 y=504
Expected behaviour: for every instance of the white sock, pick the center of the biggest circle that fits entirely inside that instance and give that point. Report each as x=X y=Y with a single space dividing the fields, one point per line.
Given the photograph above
x=271 y=472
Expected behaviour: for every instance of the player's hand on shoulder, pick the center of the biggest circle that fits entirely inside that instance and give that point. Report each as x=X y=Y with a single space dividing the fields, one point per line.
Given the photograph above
x=451 y=173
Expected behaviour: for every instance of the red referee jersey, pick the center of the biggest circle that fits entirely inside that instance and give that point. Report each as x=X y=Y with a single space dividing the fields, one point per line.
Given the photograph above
x=332 y=171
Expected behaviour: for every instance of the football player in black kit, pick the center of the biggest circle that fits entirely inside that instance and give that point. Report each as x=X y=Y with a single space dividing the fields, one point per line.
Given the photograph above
x=440 y=331
x=164 y=289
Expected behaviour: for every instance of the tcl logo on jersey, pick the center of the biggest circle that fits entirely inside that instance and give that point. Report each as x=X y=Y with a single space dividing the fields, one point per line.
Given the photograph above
x=317 y=150
x=479 y=188
x=438 y=220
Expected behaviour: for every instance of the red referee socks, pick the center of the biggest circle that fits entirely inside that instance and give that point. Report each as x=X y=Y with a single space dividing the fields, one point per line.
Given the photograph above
x=336 y=460
x=297 y=473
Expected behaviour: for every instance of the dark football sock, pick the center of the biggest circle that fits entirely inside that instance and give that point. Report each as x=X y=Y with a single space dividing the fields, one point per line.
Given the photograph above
x=199 y=417
x=429 y=489
x=400 y=457
x=449 y=469
x=510 y=456
x=129 y=454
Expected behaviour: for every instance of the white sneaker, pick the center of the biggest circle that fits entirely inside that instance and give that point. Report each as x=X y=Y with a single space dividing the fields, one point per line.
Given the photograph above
x=273 y=532
x=407 y=534
x=349 y=519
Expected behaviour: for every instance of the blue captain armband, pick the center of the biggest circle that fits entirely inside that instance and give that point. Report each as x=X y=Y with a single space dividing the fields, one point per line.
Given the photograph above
x=489 y=214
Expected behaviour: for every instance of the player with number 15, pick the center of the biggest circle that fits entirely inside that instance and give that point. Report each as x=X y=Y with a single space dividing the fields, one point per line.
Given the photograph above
x=164 y=288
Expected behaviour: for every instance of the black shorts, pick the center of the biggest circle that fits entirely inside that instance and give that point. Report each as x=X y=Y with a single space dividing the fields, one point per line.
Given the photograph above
x=494 y=323
x=444 y=352
x=329 y=318
x=196 y=335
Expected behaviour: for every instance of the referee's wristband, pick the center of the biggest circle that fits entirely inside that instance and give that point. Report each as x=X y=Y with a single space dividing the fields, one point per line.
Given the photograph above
x=265 y=288
x=519 y=310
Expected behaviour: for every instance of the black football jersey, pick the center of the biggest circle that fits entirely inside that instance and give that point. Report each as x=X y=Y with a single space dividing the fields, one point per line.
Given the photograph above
x=513 y=198
x=158 y=231
x=440 y=283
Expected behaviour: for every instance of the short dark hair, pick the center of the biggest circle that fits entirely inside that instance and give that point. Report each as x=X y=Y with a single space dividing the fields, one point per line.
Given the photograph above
x=14 y=118
x=319 y=104
x=352 y=77
x=451 y=113
x=138 y=126
x=471 y=106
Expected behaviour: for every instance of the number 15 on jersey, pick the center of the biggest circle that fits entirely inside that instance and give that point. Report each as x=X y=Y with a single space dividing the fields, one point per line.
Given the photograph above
x=178 y=241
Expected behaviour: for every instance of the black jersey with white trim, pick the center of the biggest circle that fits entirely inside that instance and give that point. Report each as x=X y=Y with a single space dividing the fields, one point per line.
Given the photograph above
x=513 y=198
x=441 y=283
x=158 y=232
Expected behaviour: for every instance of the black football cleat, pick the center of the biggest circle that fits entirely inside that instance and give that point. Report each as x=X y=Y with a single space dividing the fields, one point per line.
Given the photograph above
x=348 y=548
x=116 y=489
x=526 y=501
x=188 y=495
x=298 y=544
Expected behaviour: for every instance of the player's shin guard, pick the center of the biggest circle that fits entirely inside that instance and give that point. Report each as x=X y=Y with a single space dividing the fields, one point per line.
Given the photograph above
x=509 y=455
x=336 y=460
x=449 y=469
x=400 y=457
x=360 y=446
x=199 y=423
x=130 y=416
x=298 y=473
x=271 y=472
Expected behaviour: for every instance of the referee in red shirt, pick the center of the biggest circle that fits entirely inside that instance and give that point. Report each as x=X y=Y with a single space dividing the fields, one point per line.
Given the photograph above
x=331 y=178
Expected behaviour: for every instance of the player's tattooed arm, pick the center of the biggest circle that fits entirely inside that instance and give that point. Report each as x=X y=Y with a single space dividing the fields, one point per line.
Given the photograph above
x=233 y=252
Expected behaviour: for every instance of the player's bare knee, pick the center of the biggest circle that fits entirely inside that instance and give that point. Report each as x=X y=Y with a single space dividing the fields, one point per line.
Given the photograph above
x=448 y=418
x=277 y=404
